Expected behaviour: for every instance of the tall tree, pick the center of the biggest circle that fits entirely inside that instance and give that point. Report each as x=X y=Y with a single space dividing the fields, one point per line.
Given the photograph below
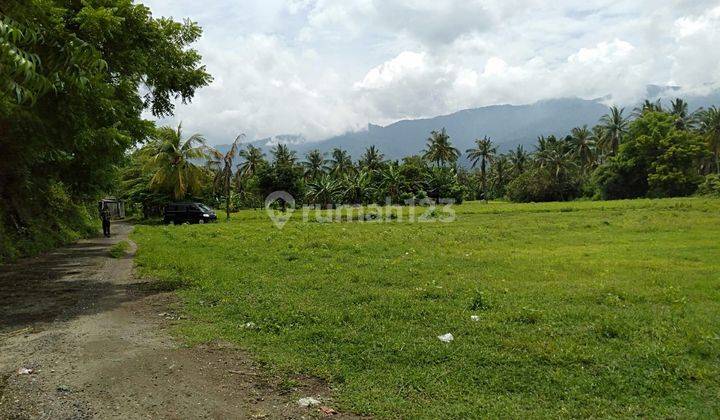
x=283 y=155
x=648 y=106
x=76 y=80
x=557 y=161
x=439 y=148
x=710 y=127
x=314 y=164
x=518 y=160
x=500 y=175
x=253 y=157
x=340 y=162
x=223 y=177
x=614 y=126
x=583 y=146
x=484 y=152
x=684 y=120
x=372 y=159
x=171 y=161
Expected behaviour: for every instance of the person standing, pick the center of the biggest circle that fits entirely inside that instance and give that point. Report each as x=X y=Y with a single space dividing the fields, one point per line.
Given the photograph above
x=105 y=217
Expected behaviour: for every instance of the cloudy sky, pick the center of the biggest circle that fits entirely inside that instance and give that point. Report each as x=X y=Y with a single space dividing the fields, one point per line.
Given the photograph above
x=323 y=67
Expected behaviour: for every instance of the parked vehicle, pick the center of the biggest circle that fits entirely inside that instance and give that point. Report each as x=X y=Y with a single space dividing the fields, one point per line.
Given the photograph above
x=179 y=213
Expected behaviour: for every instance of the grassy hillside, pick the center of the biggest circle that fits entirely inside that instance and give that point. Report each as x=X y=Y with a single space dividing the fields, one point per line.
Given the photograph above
x=584 y=309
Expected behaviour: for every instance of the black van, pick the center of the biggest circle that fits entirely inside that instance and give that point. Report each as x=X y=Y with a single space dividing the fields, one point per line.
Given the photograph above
x=180 y=213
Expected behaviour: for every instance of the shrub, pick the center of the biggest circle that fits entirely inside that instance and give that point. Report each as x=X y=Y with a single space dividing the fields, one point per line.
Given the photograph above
x=119 y=249
x=538 y=185
x=710 y=186
x=618 y=180
x=46 y=219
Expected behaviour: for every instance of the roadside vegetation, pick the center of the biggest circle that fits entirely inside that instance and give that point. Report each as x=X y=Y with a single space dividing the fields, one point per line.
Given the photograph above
x=71 y=105
x=583 y=309
x=120 y=249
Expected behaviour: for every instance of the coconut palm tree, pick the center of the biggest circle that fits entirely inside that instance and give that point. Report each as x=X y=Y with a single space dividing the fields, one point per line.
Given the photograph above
x=340 y=162
x=542 y=144
x=283 y=155
x=324 y=190
x=583 y=146
x=224 y=175
x=648 y=106
x=710 y=127
x=518 y=160
x=440 y=149
x=484 y=152
x=372 y=159
x=615 y=126
x=170 y=159
x=253 y=159
x=557 y=161
x=500 y=175
x=683 y=119
x=314 y=164
x=597 y=134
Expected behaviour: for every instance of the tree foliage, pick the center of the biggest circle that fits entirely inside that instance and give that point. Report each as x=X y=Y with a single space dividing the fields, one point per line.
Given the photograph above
x=70 y=101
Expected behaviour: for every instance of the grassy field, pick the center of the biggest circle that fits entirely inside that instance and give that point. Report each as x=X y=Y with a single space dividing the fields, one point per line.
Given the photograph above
x=585 y=309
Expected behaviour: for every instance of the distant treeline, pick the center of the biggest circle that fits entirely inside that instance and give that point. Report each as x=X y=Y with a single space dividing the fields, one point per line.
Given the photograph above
x=653 y=152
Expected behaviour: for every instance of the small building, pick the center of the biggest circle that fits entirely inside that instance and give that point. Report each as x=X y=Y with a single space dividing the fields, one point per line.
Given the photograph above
x=114 y=205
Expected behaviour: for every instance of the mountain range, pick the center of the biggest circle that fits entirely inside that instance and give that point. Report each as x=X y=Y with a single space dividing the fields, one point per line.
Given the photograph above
x=507 y=125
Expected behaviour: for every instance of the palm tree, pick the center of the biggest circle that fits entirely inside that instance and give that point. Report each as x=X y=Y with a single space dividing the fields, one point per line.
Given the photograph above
x=499 y=175
x=170 y=158
x=518 y=160
x=683 y=119
x=223 y=177
x=324 y=189
x=392 y=182
x=583 y=146
x=253 y=159
x=557 y=161
x=358 y=188
x=648 y=106
x=314 y=164
x=710 y=127
x=615 y=126
x=283 y=155
x=440 y=149
x=597 y=134
x=372 y=159
x=542 y=144
x=485 y=153
x=340 y=162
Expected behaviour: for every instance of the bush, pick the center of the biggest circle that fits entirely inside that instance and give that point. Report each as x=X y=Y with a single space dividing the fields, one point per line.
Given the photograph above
x=47 y=218
x=711 y=186
x=119 y=249
x=538 y=185
x=618 y=180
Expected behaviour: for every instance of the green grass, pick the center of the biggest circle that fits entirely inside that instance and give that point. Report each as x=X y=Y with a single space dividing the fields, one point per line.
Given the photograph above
x=119 y=249
x=585 y=309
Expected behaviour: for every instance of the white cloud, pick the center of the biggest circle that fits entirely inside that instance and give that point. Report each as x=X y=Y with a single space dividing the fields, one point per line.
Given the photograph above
x=321 y=67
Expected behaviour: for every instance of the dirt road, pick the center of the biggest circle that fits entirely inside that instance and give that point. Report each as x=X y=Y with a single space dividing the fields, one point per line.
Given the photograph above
x=80 y=339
